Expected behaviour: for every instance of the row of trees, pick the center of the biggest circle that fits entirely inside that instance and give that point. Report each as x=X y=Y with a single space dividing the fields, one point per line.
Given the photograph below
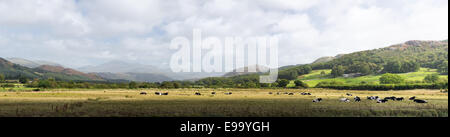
x=365 y=68
x=204 y=83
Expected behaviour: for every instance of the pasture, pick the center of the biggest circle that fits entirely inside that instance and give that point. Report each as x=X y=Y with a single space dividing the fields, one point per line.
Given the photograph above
x=315 y=77
x=242 y=103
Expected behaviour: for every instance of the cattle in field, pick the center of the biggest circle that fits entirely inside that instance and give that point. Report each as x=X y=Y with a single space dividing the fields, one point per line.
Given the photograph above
x=165 y=94
x=382 y=100
x=305 y=94
x=278 y=93
x=198 y=94
x=391 y=98
x=412 y=98
x=420 y=101
x=229 y=93
x=143 y=93
x=317 y=100
x=357 y=99
x=373 y=98
x=344 y=100
x=158 y=93
x=213 y=93
x=400 y=99
x=291 y=94
x=348 y=94
x=270 y=93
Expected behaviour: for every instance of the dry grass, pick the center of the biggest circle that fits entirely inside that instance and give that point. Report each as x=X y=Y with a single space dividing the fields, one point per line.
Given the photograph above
x=242 y=103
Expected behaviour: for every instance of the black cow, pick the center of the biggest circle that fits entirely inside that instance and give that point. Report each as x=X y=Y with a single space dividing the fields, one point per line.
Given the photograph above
x=165 y=94
x=348 y=94
x=213 y=93
x=270 y=93
x=400 y=99
x=390 y=98
x=291 y=94
x=357 y=99
x=317 y=100
x=158 y=93
x=198 y=94
x=305 y=93
x=382 y=100
x=412 y=98
x=143 y=93
x=420 y=101
x=229 y=93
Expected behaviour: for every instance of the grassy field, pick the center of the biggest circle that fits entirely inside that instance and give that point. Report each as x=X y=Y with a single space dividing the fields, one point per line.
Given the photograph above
x=242 y=103
x=316 y=77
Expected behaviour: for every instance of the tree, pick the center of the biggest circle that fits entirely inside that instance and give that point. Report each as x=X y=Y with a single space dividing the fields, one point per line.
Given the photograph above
x=2 y=78
x=393 y=67
x=300 y=84
x=389 y=78
x=283 y=82
x=443 y=68
x=23 y=80
x=432 y=78
x=132 y=85
x=337 y=71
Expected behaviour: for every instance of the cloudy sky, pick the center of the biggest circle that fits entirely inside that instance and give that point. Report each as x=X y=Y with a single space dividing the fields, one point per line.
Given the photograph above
x=76 y=33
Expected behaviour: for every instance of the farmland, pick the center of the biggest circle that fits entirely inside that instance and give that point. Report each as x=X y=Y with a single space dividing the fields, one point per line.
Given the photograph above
x=242 y=103
x=317 y=76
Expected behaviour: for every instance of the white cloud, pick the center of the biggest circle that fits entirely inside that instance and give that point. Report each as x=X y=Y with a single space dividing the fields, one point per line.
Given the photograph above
x=80 y=32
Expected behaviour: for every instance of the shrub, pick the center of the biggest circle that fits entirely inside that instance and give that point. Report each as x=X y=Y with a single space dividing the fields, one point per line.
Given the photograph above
x=391 y=79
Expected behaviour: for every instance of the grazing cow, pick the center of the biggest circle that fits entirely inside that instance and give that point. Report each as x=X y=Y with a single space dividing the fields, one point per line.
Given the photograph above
x=165 y=94
x=345 y=100
x=391 y=98
x=198 y=94
x=305 y=93
x=143 y=93
x=278 y=93
x=229 y=93
x=286 y=93
x=357 y=99
x=373 y=98
x=412 y=98
x=270 y=93
x=382 y=100
x=291 y=94
x=420 y=101
x=400 y=99
x=158 y=93
x=213 y=93
x=348 y=94
x=317 y=100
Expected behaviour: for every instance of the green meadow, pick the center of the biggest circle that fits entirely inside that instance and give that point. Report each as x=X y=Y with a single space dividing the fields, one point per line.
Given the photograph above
x=317 y=76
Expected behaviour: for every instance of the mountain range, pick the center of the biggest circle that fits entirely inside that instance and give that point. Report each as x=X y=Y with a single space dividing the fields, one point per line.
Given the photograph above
x=429 y=54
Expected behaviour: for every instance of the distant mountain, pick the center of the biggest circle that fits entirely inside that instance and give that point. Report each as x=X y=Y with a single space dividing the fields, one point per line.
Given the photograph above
x=245 y=71
x=139 y=72
x=68 y=71
x=31 y=64
x=142 y=77
x=15 y=71
x=121 y=67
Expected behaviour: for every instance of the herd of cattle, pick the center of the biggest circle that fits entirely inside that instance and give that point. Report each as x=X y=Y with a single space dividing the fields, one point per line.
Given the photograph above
x=317 y=100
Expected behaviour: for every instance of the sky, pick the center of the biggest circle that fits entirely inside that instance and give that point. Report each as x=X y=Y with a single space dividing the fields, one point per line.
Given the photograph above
x=76 y=33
